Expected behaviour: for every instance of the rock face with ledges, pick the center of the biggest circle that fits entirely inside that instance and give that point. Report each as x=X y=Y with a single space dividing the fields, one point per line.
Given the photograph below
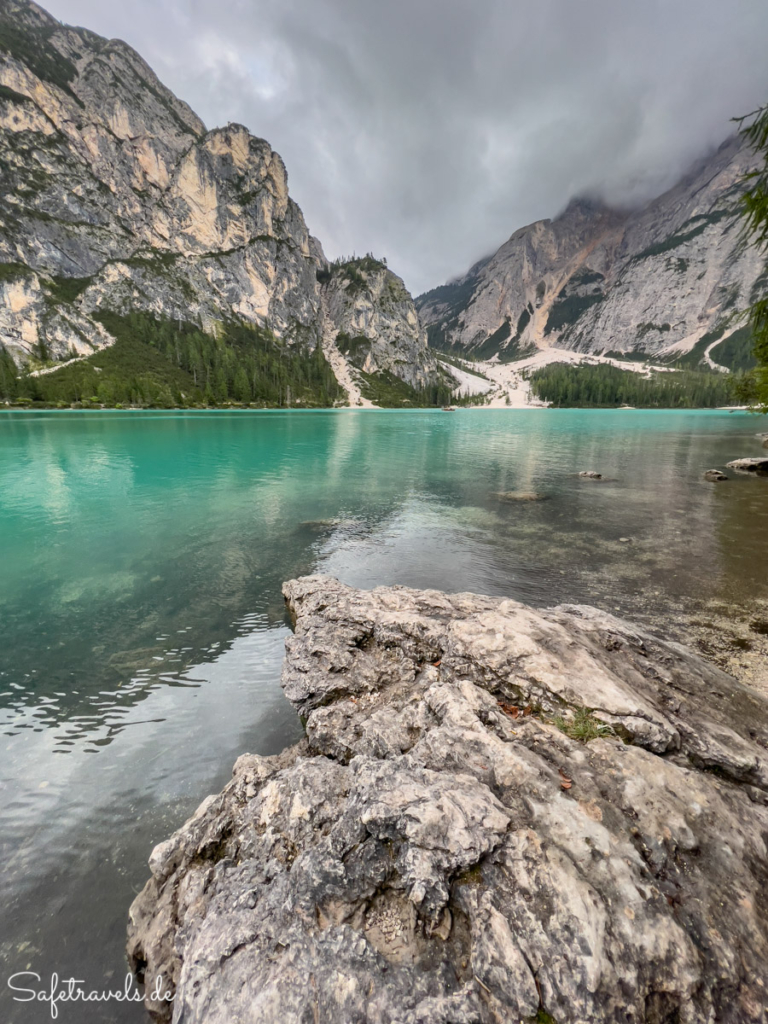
x=114 y=187
x=443 y=847
x=376 y=324
x=663 y=280
x=113 y=181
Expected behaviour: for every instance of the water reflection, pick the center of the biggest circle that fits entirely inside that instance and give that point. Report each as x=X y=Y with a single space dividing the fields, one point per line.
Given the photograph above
x=142 y=558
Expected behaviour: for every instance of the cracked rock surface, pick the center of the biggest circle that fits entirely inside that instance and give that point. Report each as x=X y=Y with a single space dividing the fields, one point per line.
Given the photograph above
x=449 y=846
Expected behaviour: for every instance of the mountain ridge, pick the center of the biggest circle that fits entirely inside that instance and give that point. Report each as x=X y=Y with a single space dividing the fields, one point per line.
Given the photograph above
x=124 y=215
x=119 y=201
x=650 y=282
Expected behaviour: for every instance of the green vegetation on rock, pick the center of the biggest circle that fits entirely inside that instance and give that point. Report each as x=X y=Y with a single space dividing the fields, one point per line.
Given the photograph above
x=648 y=327
x=505 y=344
x=67 y=289
x=567 y=309
x=542 y=1017
x=32 y=47
x=581 y=725
x=632 y=356
x=455 y=297
x=8 y=376
x=686 y=232
x=352 y=271
x=465 y=363
x=6 y=93
x=493 y=342
x=355 y=349
x=388 y=391
x=159 y=363
x=13 y=271
x=752 y=387
x=736 y=351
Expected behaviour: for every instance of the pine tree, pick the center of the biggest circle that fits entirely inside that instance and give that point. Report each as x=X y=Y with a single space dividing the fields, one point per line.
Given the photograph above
x=753 y=386
x=220 y=391
x=241 y=386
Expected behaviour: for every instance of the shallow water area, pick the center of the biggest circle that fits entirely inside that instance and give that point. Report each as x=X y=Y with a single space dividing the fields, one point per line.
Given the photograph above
x=142 y=556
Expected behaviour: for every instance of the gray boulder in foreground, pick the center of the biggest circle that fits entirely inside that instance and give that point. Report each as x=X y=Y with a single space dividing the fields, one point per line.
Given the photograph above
x=438 y=851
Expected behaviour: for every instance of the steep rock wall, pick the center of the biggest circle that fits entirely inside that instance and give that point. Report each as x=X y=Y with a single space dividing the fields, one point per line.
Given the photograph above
x=656 y=281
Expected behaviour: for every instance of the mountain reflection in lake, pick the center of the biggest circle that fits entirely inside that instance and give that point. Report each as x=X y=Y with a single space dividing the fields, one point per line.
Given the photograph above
x=143 y=622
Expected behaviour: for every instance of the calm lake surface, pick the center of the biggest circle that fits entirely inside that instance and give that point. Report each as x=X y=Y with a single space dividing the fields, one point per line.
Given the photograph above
x=141 y=559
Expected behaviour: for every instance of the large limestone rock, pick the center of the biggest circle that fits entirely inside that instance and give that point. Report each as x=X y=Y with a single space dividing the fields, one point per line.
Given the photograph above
x=662 y=281
x=497 y=813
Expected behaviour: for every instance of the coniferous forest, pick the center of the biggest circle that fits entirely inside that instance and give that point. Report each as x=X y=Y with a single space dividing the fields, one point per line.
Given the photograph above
x=166 y=364
x=605 y=386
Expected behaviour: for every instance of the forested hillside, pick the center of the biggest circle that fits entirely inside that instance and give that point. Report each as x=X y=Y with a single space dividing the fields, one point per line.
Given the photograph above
x=605 y=386
x=164 y=364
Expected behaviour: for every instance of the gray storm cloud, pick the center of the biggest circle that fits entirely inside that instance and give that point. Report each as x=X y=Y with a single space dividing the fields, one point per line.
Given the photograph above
x=429 y=130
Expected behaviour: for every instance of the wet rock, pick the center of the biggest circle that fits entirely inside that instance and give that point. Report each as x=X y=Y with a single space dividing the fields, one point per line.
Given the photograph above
x=520 y=496
x=590 y=474
x=714 y=475
x=437 y=850
x=749 y=465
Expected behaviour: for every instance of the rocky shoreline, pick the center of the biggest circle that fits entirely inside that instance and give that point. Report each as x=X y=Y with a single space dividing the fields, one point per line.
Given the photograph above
x=497 y=814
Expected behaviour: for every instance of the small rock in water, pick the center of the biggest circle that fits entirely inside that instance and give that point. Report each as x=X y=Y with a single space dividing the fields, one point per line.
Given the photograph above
x=623 y=540
x=520 y=496
x=713 y=475
x=590 y=474
x=332 y=524
x=749 y=465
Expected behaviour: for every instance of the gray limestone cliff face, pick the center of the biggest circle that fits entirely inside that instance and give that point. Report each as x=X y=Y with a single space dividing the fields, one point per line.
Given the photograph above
x=374 y=323
x=116 y=198
x=662 y=280
x=225 y=240
x=112 y=182
x=497 y=813
x=504 y=301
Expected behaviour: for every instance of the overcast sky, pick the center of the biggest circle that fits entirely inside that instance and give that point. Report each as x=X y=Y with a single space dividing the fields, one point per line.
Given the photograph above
x=428 y=131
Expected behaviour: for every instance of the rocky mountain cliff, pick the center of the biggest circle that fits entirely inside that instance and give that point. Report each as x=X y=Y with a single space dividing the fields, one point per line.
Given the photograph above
x=372 y=322
x=116 y=199
x=664 y=280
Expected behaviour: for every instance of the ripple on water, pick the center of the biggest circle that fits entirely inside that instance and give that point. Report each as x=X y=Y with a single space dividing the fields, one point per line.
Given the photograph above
x=144 y=624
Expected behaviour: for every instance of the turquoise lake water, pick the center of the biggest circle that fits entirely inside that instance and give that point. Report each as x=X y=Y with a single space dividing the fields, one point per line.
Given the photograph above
x=142 y=621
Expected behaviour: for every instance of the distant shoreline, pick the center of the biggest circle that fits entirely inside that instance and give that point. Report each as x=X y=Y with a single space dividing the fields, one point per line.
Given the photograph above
x=13 y=409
